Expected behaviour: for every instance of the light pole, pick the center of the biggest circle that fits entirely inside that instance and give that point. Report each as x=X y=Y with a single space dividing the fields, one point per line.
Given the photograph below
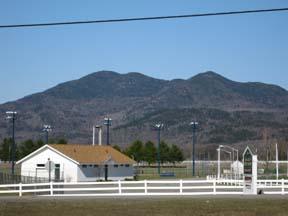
x=47 y=129
x=218 y=167
x=108 y=123
x=12 y=115
x=194 y=125
x=158 y=127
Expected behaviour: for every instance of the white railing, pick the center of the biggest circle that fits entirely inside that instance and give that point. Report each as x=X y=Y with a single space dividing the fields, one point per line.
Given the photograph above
x=273 y=186
x=143 y=188
x=125 y=188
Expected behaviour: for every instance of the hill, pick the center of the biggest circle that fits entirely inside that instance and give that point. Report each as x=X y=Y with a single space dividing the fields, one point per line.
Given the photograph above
x=228 y=111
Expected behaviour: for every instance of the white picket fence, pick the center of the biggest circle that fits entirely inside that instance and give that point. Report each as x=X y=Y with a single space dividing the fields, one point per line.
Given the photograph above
x=143 y=188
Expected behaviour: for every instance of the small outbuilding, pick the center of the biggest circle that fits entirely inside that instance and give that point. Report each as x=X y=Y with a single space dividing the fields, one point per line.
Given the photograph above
x=237 y=168
x=77 y=163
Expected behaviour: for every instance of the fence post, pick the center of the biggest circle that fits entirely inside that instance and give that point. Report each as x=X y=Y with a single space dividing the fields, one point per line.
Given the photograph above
x=145 y=187
x=181 y=186
x=51 y=188
x=20 y=189
x=119 y=187
x=283 y=190
x=214 y=186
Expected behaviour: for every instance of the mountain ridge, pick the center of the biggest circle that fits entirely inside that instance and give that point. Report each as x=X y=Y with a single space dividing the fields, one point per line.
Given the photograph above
x=74 y=106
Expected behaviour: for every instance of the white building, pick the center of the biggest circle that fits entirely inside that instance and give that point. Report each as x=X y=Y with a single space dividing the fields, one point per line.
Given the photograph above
x=75 y=163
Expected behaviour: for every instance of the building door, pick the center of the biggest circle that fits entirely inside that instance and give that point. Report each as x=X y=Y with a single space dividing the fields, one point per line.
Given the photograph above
x=57 y=172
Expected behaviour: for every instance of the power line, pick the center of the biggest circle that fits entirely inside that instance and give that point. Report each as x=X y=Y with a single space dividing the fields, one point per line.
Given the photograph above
x=143 y=18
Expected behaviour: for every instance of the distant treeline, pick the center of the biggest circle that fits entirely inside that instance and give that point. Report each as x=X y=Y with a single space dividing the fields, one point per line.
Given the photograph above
x=24 y=148
x=137 y=150
x=148 y=152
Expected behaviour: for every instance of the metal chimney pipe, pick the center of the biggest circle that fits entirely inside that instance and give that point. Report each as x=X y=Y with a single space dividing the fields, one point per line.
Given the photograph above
x=93 y=136
x=99 y=134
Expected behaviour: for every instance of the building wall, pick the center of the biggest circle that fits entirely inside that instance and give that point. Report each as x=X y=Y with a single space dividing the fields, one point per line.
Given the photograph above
x=92 y=173
x=68 y=169
x=120 y=171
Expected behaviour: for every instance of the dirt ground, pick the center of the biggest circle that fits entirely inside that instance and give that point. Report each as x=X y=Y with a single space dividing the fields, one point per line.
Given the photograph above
x=204 y=205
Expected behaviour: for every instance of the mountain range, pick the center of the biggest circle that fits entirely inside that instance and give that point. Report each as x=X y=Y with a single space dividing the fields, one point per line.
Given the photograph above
x=228 y=112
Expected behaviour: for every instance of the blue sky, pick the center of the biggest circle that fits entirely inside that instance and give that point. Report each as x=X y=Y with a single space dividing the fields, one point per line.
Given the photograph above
x=244 y=48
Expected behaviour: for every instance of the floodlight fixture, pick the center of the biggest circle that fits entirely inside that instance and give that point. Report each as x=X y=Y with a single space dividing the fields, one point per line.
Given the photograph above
x=47 y=128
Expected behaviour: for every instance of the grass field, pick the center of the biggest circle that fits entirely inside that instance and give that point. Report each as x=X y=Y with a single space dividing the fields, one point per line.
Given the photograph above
x=212 y=206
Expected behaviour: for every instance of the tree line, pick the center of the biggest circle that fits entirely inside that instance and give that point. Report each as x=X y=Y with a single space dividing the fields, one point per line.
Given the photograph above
x=147 y=152
x=24 y=148
x=139 y=151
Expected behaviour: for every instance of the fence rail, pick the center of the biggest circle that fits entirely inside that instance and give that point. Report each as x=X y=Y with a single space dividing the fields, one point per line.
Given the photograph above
x=143 y=188
x=7 y=178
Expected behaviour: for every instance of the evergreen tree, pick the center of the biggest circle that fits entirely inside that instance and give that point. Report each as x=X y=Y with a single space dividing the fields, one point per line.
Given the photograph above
x=149 y=152
x=39 y=143
x=5 y=149
x=62 y=141
x=28 y=146
x=164 y=152
x=135 y=151
x=175 y=154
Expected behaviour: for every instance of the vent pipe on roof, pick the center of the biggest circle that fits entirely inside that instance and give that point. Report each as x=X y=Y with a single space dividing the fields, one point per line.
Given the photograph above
x=99 y=134
x=93 y=140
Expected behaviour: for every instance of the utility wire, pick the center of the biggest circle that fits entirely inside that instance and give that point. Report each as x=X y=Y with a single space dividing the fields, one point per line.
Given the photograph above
x=143 y=18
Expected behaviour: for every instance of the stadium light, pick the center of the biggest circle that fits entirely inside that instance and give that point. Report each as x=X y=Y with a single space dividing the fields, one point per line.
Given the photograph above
x=194 y=126
x=47 y=129
x=158 y=127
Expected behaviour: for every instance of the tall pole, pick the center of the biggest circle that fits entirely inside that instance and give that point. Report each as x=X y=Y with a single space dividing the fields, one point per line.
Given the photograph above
x=237 y=173
x=108 y=141
x=219 y=169
x=158 y=128
x=194 y=123
x=13 y=144
x=277 y=165
x=158 y=151
x=47 y=137
x=12 y=115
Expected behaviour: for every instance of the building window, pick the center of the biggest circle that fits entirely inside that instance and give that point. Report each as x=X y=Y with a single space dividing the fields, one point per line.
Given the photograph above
x=40 y=165
x=95 y=165
x=127 y=165
x=90 y=165
x=121 y=165
x=116 y=165
x=84 y=166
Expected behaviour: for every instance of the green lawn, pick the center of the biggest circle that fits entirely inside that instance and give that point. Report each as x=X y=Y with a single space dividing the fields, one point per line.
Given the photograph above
x=180 y=172
x=212 y=206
